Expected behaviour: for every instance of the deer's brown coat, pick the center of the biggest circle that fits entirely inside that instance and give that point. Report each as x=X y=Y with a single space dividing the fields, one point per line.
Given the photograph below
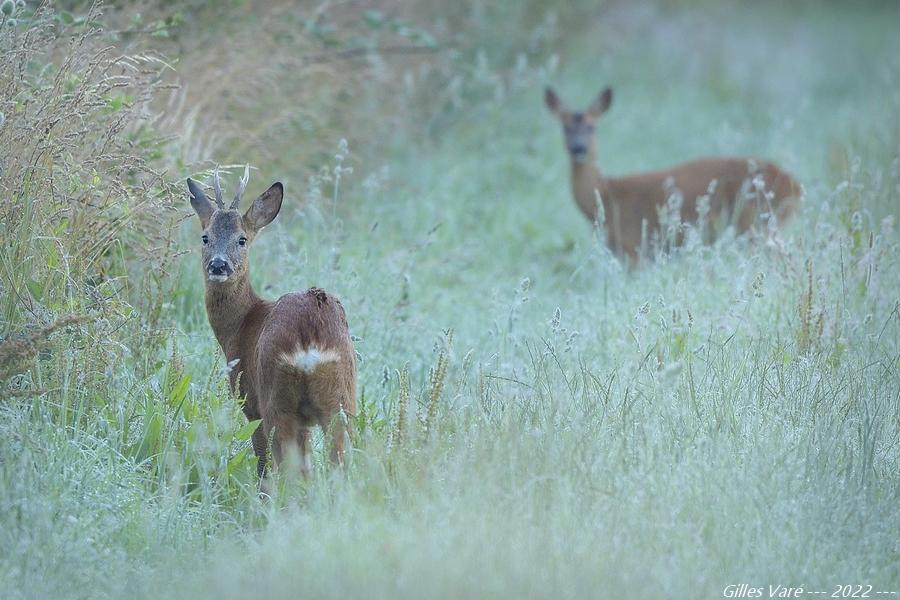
x=261 y=337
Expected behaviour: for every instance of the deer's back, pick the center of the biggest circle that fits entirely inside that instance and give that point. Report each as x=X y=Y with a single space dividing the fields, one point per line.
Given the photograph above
x=299 y=320
x=305 y=357
x=721 y=179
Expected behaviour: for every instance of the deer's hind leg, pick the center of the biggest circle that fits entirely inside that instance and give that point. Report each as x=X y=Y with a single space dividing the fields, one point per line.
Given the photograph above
x=261 y=450
x=334 y=405
x=291 y=446
x=337 y=430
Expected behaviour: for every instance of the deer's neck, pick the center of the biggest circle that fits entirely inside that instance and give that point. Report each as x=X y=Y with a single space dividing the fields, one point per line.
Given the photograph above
x=227 y=306
x=587 y=182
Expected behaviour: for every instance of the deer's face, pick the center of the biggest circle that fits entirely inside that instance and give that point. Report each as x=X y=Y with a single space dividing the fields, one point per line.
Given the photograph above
x=226 y=244
x=225 y=241
x=578 y=127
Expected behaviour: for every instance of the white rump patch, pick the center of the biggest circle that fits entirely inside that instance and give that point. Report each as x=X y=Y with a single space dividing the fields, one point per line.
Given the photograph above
x=308 y=360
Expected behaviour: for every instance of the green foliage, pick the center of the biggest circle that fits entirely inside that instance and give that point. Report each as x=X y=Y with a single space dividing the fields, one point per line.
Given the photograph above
x=85 y=287
x=190 y=440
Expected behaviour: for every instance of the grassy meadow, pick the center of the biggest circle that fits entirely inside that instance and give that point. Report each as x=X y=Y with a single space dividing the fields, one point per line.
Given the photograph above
x=535 y=419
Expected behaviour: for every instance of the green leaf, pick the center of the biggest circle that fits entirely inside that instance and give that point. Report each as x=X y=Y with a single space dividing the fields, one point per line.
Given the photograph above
x=235 y=462
x=36 y=288
x=117 y=102
x=150 y=443
x=680 y=344
x=178 y=393
x=244 y=433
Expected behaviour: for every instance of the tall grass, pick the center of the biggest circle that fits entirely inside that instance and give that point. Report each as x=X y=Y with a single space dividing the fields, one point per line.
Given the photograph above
x=534 y=419
x=97 y=408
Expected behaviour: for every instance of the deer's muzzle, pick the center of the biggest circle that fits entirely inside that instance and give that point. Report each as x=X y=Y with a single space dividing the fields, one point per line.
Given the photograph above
x=218 y=269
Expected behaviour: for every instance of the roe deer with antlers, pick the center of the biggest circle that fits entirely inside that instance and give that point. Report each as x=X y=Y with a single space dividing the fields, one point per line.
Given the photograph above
x=708 y=191
x=293 y=358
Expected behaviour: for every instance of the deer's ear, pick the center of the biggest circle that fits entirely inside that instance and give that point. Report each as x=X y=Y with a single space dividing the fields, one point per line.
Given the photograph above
x=601 y=103
x=265 y=208
x=199 y=202
x=552 y=100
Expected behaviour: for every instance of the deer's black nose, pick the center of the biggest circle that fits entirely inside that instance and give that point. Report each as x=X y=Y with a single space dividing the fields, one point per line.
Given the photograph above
x=578 y=149
x=217 y=266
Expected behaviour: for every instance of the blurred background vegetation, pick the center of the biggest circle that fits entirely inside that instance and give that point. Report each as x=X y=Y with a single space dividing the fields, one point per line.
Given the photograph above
x=534 y=418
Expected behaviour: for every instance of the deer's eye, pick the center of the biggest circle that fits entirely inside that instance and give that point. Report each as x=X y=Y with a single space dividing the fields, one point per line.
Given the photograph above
x=205 y=239
x=242 y=241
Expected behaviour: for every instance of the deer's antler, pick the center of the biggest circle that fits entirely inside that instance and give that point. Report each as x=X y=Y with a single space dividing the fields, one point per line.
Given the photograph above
x=241 y=187
x=217 y=184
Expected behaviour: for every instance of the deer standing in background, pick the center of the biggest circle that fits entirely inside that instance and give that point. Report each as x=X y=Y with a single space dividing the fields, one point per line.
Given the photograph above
x=707 y=191
x=293 y=358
